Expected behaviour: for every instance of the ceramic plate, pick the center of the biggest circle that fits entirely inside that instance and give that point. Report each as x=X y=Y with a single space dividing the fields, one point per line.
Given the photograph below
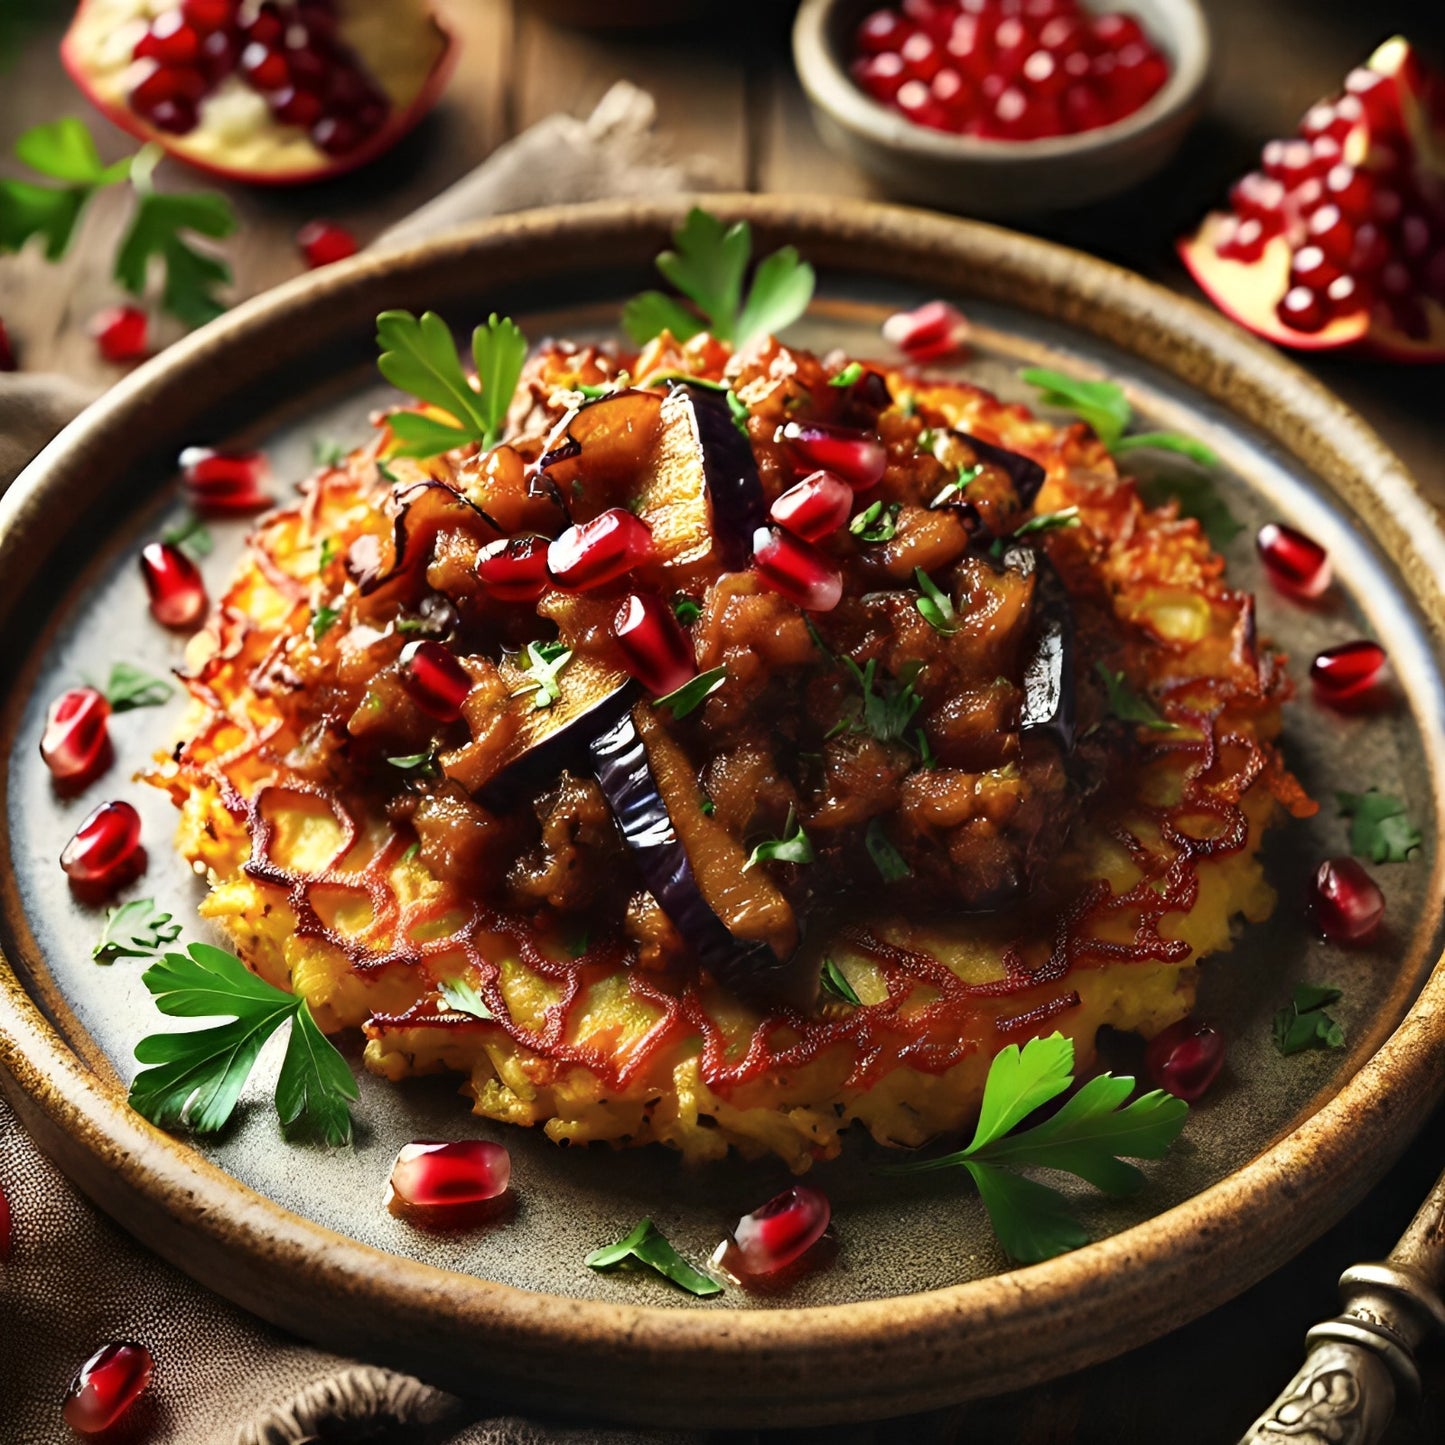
x=916 y=1306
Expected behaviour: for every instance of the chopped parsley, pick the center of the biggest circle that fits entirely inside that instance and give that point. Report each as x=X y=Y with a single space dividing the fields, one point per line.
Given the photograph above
x=693 y=693
x=885 y=712
x=877 y=522
x=685 y=609
x=544 y=661
x=1303 y=1023
x=850 y=375
x=462 y=997
x=886 y=858
x=191 y=536
x=836 y=983
x=422 y=765
x=1380 y=827
x=646 y=1246
x=323 y=620
x=131 y=687
x=793 y=847
x=1049 y=522
x=327 y=452
x=1197 y=498
x=935 y=606
x=1130 y=706
x=960 y=484
x=137 y=929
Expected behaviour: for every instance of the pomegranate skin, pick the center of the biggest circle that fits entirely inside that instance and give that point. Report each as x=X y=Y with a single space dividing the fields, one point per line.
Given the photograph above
x=814 y=508
x=105 y=851
x=106 y=1386
x=1185 y=1059
x=1345 y=902
x=434 y=680
x=796 y=569
x=75 y=745
x=1296 y=564
x=599 y=551
x=856 y=456
x=432 y=1175
x=658 y=653
x=177 y=593
x=1342 y=673
x=779 y=1233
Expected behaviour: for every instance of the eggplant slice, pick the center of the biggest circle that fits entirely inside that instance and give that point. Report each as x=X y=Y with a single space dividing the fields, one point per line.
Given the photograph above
x=1049 y=682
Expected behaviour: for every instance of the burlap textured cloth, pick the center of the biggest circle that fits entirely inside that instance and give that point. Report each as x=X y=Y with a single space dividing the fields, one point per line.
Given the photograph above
x=75 y=1281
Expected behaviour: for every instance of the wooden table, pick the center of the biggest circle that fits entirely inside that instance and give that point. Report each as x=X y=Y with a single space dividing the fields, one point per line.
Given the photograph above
x=727 y=90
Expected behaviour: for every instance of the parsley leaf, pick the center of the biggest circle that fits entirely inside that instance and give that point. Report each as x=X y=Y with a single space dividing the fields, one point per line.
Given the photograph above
x=462 y=997
x=1303 y=1023
x=195 y=1078
x=965 y=478
x=323 y=620
x=1167 y=441
x=647 y=1246
x=793 y=847
x=1380 y=829
x=1197 y=498
x=886 y=858
x=1049 y=522
x=1089 y=1136
x=708 y=267
x=544 y=661
x=1130 y=706
x=693 y=693
x=129 y=687
x=935 y=606
x=420 y=357
x=63 y=150
x=836 y=983
x=883 y=713
x=192 y=535
x=877 y=522
x=327 y=452
x=423 y=765
x=850 y=375
x=137 y=929
x=685 y=609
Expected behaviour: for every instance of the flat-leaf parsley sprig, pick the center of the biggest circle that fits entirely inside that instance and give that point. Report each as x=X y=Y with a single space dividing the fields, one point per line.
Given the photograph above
x=1089 y=1136
x=195 y=1078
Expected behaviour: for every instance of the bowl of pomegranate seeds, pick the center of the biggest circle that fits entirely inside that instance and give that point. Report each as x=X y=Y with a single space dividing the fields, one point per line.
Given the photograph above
x=1003 y=107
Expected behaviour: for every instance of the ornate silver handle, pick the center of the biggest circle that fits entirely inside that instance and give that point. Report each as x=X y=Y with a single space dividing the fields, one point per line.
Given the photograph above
x=1361 y=1364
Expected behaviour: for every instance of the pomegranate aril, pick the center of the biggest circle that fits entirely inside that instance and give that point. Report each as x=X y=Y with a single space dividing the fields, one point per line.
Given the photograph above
x=920 y=56
x=882 y=30
x=219 y=53
x=880 y=75
x=170 y=40
x=655 y=649
x=434 y=680
x=915 y=100
x=263 y=68
x=515 y=569
x=431 y=1175
x=1185 y=1058
x=858 y=457
x=336 y=136
x=1256 y=194
x=1343 y=672
x=1295 y=563
x=323 y=243
x=76 y=742
x=105 y=850
x=815 y=507
x=219 y=481
x=1332 y=233
x=796 y=569
x=175 y=117
x=107 y=1385
x=1302 y=309
x=1349 y=189
x=167 y=83
x=931 y=332
x=1312 y=269
x=1116 y=31
x=778 y=1234
x=599 y=551
x=267 y=26
x=207 y=15
x=1345 y=902
x=1375 y=94
x=297 y=107
x=1244 y=240
x=177 y=593
x=122 y=333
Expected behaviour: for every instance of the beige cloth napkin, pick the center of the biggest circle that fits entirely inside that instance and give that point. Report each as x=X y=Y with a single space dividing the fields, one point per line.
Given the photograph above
x=75 y=1281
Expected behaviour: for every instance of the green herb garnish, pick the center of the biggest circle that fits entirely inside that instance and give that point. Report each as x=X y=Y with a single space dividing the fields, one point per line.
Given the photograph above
x=884 y=712
x=886 y=858
x=850 y=375
x=462 y=997
x=835 y=982
x=423 y=765
x=129 y=687
x=645 y=1245
x=1303 y=1023
x=793 y=847
x=326 y=553
x=1380 y=828
x=544 y=661
x=192 y=536
x=935 y=606
x=137 y=929
x=327 y=452
x=195 y=1078
x=685 y=609
x=960 y=484
x=708 y=267
x=1089 y=1136
x=693 y=693
x=877 y=522
x=420 y=357
x=323 y=620
x=1130 y=706
x=1049 y=522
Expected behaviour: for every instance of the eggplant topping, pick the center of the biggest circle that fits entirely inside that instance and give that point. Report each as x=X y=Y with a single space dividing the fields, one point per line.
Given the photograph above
x=1048 y=679
x=1026 y=474
x=601 y=446
x=422 y=510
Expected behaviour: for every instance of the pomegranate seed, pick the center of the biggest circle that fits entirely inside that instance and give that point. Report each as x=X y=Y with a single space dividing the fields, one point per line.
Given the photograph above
x=796 y=569
x=209 y=15
x=106 y=1387
x=7 y=1229
x=175 y=117
x=1343 y=672
x=225 y=481
x=434 y=680
x=122 y=333
x=1185 y=1058
x=267 y=26
x=170 y=40
x=429 y=1174
x=1374 y=92
x=599 y=551
x=1116 y=31
x=933 y=331
x=7 y=354
x=1343 y=295
x=1261 y=196
x=1312 y=270
x=880 y=75
x=105 y=850
x=1345 y=901
x=915 y=100
x=297 y=107
x=1295 y=563
x=1332 y=233
x=177 y=593
x=1372 y=249
x=219 y=53
x=323 y=242
x=882 y=30
x=1245 y=240
x=162 y=83
x=816 y=506
x=856 y=456
x=265 y=69
x=514 y=569
x=920 y=56
x=657 y=652
x=776 y=1235
x=336 y=136
x=1302 y=309
x=76 y=741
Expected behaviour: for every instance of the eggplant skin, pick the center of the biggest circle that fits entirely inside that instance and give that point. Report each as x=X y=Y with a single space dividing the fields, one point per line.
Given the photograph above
x=1027 y=474
x=1049 y=678
x=730 y=473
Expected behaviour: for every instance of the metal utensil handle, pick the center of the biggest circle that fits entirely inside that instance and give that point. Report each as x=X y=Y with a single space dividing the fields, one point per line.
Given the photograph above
x=1362 y=1363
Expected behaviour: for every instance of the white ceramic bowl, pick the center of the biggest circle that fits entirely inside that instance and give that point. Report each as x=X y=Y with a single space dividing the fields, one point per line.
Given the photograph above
x=995 y=177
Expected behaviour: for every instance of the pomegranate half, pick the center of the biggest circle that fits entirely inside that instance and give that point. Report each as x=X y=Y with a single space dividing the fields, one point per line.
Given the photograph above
x=274 y=92
x=1339 y=239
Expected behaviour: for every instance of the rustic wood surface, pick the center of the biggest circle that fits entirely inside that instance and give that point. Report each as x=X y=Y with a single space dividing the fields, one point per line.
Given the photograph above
x=725 y=88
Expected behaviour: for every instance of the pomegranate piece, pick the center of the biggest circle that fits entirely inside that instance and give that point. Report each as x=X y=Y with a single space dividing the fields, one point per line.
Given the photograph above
x=1345 y=902
x=105 y=852
x=778 y=1234
x=7 y=354
x=515 y=569
x=434 y=680
x=815 y=507
x=935 y=330
x=224 y=482
x=75 y=745
x=1349 y=249
x=108 y=1384
x=431 y=1175
x=657 y=652
x=599 y=551
x=1296 y=563
x=328 y=93
x=1344 y=672
x=177 y=593
x=856 y=456
x=324 y=242
x=796 y=569
x=1185 y=1059
x=122 y=333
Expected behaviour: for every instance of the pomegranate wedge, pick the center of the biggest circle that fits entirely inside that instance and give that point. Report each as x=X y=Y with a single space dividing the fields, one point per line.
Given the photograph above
x=270 y=93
